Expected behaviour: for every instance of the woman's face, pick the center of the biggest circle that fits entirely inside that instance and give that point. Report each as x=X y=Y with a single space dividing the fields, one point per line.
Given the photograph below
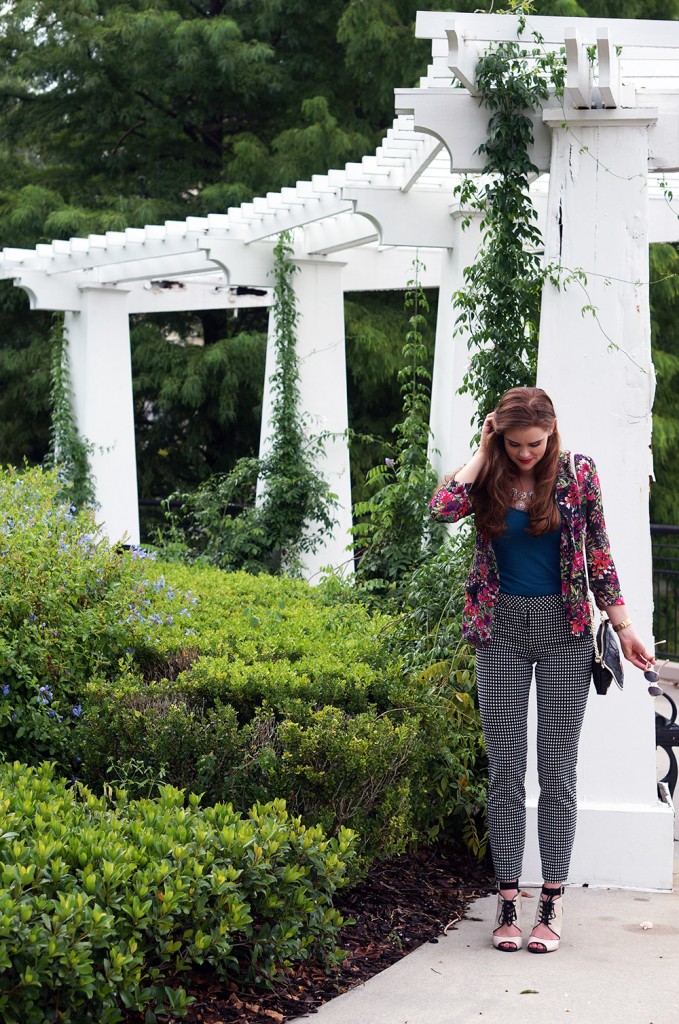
x=525 y=446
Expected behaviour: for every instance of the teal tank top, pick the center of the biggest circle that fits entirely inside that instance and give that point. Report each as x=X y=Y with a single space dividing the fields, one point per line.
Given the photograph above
x=528 y=565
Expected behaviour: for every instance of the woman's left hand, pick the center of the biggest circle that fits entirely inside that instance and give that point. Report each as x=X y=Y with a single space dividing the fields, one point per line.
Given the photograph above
x=634 y=650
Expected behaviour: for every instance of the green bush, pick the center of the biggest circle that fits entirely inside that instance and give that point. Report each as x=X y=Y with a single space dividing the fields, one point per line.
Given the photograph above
x=242 y=688
x=300 y=694
x=103 y=898
x=72 y=608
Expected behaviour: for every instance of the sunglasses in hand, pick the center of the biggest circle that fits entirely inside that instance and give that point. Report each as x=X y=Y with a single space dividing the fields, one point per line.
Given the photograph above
x=652 y=675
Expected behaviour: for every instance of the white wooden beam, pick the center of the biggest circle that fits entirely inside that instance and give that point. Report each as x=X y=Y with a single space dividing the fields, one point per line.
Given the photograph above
x=242 y=264
x=598 y=222
x=486 y=28
x=45 y=292
x=195 y=262
x=337 y=234
x=168 y=296
x=301 y=211
x=609 y=69
x=370 y=268
x=415 y=218
x=420 y=161
x=456 y=119
x=323 y=394
x=101 y=373
x=462 y=57
x=578 y=88
x=663 y=138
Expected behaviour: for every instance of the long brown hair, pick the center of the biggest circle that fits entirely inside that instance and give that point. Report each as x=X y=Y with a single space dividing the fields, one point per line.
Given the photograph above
x=492 y=491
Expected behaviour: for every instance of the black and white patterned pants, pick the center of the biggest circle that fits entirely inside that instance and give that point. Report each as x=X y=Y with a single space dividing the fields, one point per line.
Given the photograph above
x=527 y=632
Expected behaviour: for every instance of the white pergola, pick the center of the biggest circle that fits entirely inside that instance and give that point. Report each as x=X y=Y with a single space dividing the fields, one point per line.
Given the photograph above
x=603 y=152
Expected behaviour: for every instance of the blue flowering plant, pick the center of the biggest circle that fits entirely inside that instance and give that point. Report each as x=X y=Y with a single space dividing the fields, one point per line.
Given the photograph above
x=73 y=608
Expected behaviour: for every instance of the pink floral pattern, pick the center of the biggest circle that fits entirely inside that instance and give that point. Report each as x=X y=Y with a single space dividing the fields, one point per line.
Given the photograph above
x=580 y=510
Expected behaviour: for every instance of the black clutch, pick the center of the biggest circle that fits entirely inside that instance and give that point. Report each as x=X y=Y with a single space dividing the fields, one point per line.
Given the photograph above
x=606 y=660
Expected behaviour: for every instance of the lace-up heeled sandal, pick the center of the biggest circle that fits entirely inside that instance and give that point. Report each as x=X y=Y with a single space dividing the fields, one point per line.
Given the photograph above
x=550 y=913
x=508 y=913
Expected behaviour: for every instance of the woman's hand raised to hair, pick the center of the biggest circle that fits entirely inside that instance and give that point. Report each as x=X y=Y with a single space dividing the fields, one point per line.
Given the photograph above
x=487 y=431
x=471 y=469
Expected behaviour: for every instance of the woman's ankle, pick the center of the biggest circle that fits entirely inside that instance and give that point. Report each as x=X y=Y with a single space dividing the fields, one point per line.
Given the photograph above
x=508 y=889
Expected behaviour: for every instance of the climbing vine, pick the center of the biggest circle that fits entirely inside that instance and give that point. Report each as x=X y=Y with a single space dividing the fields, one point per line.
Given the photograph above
x=393 y=531
x=297 y=506
x=499 y=303
x=68 y=452
x=223 y=521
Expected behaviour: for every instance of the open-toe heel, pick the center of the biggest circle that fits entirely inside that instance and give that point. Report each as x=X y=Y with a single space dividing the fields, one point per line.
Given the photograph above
x=508 y=913
x=549 y=913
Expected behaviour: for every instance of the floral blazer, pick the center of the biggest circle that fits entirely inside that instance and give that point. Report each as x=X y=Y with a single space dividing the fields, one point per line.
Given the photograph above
x=583 y=511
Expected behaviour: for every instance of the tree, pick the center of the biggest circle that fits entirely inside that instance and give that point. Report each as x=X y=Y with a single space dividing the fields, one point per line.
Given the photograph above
x=664 y=293
x=117 y=113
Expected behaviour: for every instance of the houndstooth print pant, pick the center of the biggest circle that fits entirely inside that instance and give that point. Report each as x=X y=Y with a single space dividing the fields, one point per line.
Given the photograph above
x=527 y=632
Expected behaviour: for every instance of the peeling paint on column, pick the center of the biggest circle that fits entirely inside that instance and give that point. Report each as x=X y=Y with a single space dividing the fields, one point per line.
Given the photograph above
x=598 y=370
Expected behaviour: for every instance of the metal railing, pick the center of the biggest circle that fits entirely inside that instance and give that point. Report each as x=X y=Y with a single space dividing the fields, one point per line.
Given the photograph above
x=665 y=545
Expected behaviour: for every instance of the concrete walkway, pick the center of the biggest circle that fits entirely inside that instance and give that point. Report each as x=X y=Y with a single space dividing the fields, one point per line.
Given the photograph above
x=609 y=970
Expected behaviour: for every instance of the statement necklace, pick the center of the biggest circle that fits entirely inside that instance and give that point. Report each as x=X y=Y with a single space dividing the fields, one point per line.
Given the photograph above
x=521 y=499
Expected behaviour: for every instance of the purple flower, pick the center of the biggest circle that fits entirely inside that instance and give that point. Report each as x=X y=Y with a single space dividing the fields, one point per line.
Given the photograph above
x=5 y=689
x=77 y=711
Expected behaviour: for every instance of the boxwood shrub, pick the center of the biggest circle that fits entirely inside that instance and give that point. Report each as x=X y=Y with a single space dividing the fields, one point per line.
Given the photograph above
x=242 y=688
x=294 y=695
x=103 y=898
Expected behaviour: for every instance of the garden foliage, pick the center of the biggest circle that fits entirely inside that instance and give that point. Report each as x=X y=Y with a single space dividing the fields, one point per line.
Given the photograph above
x=225 y=521
x=394 y=533
x=102 y=896
x=297 y=693
x=246 y=689
x=240 y=687
x=499 y=304
x=73 y=609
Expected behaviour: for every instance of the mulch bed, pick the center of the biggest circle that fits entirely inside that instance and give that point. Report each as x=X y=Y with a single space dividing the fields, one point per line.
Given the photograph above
x=402 y=903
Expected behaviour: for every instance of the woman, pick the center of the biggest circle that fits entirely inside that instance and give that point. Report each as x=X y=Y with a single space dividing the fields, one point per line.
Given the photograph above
x=526 y=605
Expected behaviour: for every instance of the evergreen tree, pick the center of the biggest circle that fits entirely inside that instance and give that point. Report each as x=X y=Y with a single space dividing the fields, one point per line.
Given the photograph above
x=117 y=113
x=664 y=293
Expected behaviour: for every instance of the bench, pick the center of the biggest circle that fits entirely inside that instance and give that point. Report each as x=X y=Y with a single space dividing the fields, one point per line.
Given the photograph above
x=667 y=737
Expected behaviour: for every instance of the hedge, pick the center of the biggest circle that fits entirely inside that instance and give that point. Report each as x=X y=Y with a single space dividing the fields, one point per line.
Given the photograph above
x=103 y=898
x=241 y=688
x=72 y=608
x=292 y=695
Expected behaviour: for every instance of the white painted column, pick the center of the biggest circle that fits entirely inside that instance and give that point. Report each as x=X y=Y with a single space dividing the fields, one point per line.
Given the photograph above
x=323 y=391
x=101 y=374
x=451 y=413
x=597 y=367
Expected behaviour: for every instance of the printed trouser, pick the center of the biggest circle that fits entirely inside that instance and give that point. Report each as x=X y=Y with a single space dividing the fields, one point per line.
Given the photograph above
x=532 y=632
